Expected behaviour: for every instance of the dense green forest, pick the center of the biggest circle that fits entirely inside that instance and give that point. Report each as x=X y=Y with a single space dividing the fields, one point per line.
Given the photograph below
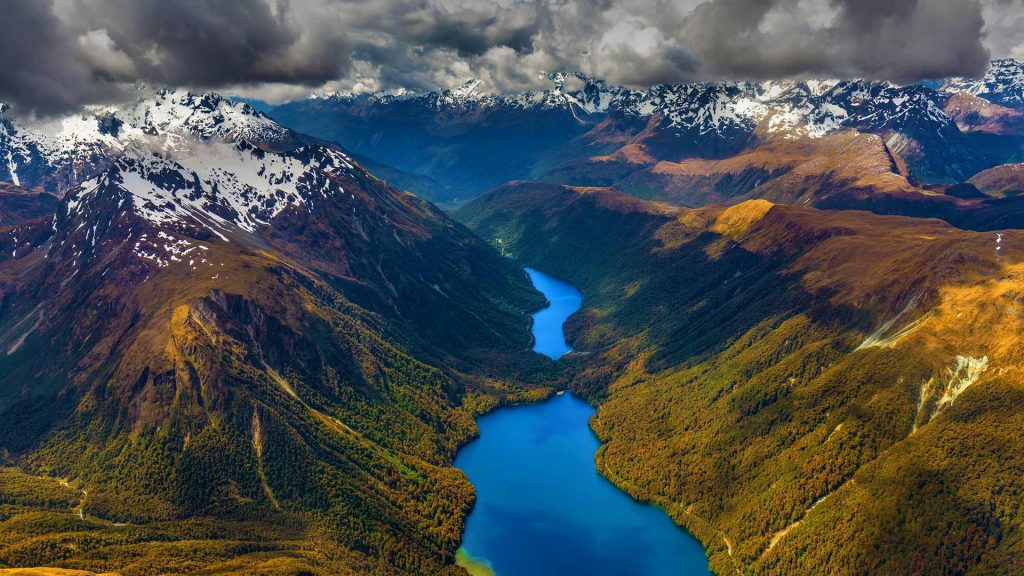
x=806 y=392
x=330 y=454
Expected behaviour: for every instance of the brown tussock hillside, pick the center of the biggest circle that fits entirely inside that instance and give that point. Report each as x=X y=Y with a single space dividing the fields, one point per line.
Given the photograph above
x=807 y=391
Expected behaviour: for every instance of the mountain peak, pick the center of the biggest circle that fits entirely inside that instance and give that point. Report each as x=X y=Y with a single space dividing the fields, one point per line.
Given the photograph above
x=460 y=96
x=206 y=115
x=1003 y=83
x=560 y=78
x=217 y=187
x=467 y=89
x=54 y=154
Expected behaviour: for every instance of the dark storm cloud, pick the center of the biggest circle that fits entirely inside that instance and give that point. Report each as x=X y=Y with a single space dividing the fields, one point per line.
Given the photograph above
x=217 y=42
x=637 y=42
x=57 y=54
x=909 y=40
x=898 y=40
x=41 y=66
x=467 y=34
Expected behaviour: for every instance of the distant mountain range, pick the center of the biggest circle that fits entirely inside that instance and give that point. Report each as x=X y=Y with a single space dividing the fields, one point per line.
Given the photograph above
x=1002 y=84
x=583 y=131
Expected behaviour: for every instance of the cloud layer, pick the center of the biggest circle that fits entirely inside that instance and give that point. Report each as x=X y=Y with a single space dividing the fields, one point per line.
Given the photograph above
x=58 y=54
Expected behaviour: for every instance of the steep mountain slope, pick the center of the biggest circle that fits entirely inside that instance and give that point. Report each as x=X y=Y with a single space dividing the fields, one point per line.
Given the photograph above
x=245 y=354
x=781 y=170
x=18 y=205
x=808 y=392
x=1001 y=181
x=975 y=114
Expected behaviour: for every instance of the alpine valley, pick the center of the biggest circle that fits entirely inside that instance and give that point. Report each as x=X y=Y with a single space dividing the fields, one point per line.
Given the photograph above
x=231 y=349
x=244 y=342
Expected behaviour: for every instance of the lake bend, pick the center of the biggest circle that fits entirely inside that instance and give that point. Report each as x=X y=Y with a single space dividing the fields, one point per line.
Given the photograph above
x=563 y=301
x=542 y=509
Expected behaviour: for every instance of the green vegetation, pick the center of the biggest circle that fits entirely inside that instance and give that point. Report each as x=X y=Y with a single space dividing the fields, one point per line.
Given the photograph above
x=472 y=565
x=294 y=411
x=807 y=392
x=739 y=388
x=286 y=437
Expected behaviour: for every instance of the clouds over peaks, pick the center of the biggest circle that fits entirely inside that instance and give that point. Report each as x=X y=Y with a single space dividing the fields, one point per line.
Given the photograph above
x=58 y=54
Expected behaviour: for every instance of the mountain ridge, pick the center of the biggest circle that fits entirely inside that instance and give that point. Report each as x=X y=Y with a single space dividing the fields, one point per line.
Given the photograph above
x=236 y=341
x=450 y=134
x=229 y=347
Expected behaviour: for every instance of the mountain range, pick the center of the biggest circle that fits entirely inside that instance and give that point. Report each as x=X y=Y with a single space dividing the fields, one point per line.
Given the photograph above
x=585 y=132
x=239 y=339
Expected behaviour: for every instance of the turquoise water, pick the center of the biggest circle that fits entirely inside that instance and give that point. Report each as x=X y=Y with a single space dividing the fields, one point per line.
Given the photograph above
x=548 y=335
x=542 y=509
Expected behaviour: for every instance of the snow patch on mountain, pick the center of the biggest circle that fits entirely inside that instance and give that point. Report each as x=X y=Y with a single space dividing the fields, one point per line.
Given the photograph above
x=219 y=186
x=1003 y=83
x=57 y=153
x=789 y=109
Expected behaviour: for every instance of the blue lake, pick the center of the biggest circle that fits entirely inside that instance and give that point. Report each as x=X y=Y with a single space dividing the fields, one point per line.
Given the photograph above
x=542 y=508
x=564 y=300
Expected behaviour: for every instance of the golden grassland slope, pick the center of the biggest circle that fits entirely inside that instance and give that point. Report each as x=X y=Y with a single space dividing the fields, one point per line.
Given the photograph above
x=1001 y=181
x=808 y=392
x=974 y=114
x=801 y=171
x=841 y=167
x=844 y=170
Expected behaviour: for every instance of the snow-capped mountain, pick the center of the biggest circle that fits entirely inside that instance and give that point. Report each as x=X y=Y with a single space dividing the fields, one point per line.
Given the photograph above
x=1003 y=84
x=211 y=274
x=181 y=169
x=54 y=154
x=790 y=108
x=463 y=141
x=470 y=141
x=189 y=183
x=217 y=186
